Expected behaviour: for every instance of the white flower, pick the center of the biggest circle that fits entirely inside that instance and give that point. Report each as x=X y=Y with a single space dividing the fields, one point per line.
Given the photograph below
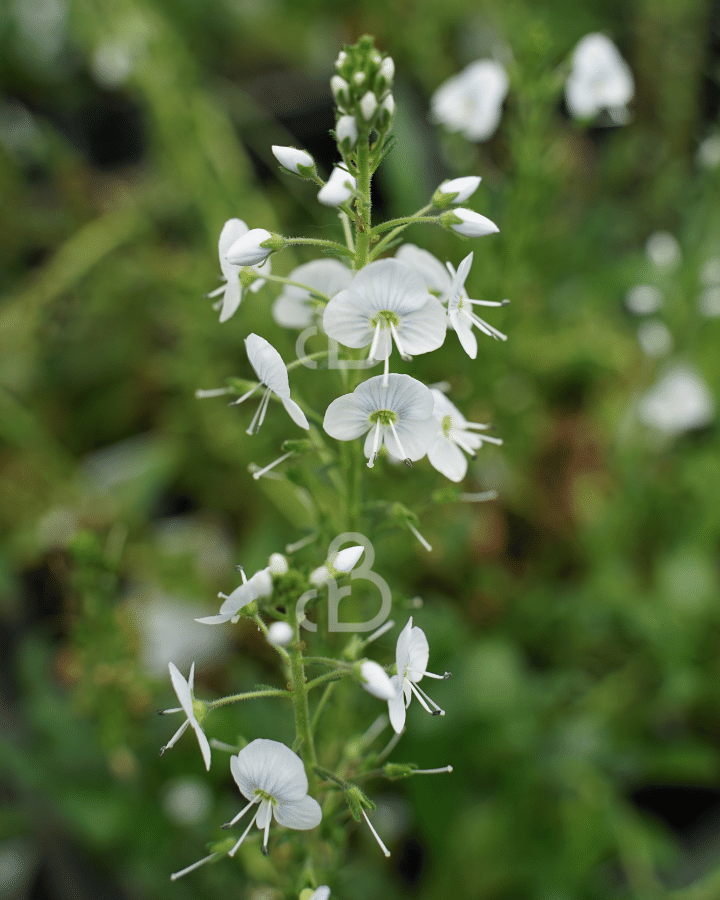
x=680 y=401
x=468 y=223
x=340 y=90
x=247 y=250
x=599 y=79
x=376 y=680
x=296 y=307
x=455 y=434
x=435 y=275
x=654 y=338
x=346 y=131
x=462 y=188
x=231 y=292
x=462 y=318
x=271 y=371
x=260 y=585
x=386 y=301
x=397 y=413
x=471 y=102
x=280 y=634
x=663 y=249
x=341 y=562
x=269 y=774
x=411 y=657
x=191 y=707
x=643 y=299
x=339 y=187
x=293 y=159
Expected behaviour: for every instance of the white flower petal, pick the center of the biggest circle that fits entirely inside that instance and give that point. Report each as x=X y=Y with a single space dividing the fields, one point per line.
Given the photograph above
x=231 y=297
x=418 y=654
x=295 y=413
x=321 y=893
x=402 y=648
x=231 y=232
x=423 y=330
x=466 y=335
x=429 y=268
x=447 y=458
x=346 y=322
x=246 y=251
x=462 y=187
x=345 y=418
x=396 y=706
x=346 y=560
x=268 y=365
x=182 y=689
x=301 y=815
x=415 y=437
x=388 y=284
x=338 y=188
x=204 y=745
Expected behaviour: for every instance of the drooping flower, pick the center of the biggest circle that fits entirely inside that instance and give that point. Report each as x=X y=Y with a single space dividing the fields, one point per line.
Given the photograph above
x=386 y=301
x=471 y=102
x=194 y=709
x=339 y=187
x=460 y=312
x=398 y=414
x=411 y=657
x=296 y=307
x=271 y=371
x=600 y=79
x=251 y=248
x=232 y=291
x=454 y=435
x=260 y=585
x=270 y=775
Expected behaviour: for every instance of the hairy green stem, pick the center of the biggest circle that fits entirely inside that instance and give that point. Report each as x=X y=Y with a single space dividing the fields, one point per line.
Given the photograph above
x=302 y=714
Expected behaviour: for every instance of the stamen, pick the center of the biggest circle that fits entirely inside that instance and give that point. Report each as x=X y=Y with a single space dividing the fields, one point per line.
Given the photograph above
x=376 y=338
x=480 y=497
x=201 y=394
x=457 y=439
x=488 y=302
x=244 y=835
x=174 y=739
x=403 y=454
x=166 y=712
x=245 y=396
x=375 y=834
x=483 y=325
x=386 y=371
x=258 y=473
x=376 y=441
x=217 y=291
x=303 y=542
x=441 y=771
x=264 y=847
x=443 y=677
x=376 y=634
x=195 y=865
x=375 y=730
x=421 y=700
x=476 y=426
x=402 y=352
x=417 y=534
x=240 y=814
x=264 y=403
x=437 y=711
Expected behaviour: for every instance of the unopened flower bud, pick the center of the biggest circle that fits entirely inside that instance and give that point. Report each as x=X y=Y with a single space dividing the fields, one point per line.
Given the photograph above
x=299 y=162
x=347 y=132
x=254 y=247
x=456 y=190
x=338 y=189
x=278 y=564
x=359 y=78
x=340 y=90
x=467 y=223
x=387 y=111
x=387 y=69
x=368 y=105
x=280 y=634
x=341 y=57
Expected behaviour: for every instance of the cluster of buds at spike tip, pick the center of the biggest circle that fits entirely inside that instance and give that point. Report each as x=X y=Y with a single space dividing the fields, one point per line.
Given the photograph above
x=362 y=88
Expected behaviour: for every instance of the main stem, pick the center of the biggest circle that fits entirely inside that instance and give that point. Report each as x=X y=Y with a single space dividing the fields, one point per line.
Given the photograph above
x=302 y=713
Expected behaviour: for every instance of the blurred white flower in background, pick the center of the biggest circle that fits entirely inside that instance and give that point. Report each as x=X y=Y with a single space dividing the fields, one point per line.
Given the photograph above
x=680 y=401
x=708 y=153
x=709 y=299
x=471 y=102
x=654 y=338
x=643 y=299
x=599 y=80
x=663 y=249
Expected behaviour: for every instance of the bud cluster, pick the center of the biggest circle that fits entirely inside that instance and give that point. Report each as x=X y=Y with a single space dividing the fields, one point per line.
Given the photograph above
x=362 y=88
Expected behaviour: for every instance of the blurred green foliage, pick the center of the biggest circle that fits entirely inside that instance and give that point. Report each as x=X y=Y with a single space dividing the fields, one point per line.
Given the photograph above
x=579 y=613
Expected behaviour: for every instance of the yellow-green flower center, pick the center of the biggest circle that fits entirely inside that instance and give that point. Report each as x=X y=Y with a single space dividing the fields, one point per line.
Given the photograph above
x=384 y=417
x=446 y=425
x=265 y=796
x=385 y=318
